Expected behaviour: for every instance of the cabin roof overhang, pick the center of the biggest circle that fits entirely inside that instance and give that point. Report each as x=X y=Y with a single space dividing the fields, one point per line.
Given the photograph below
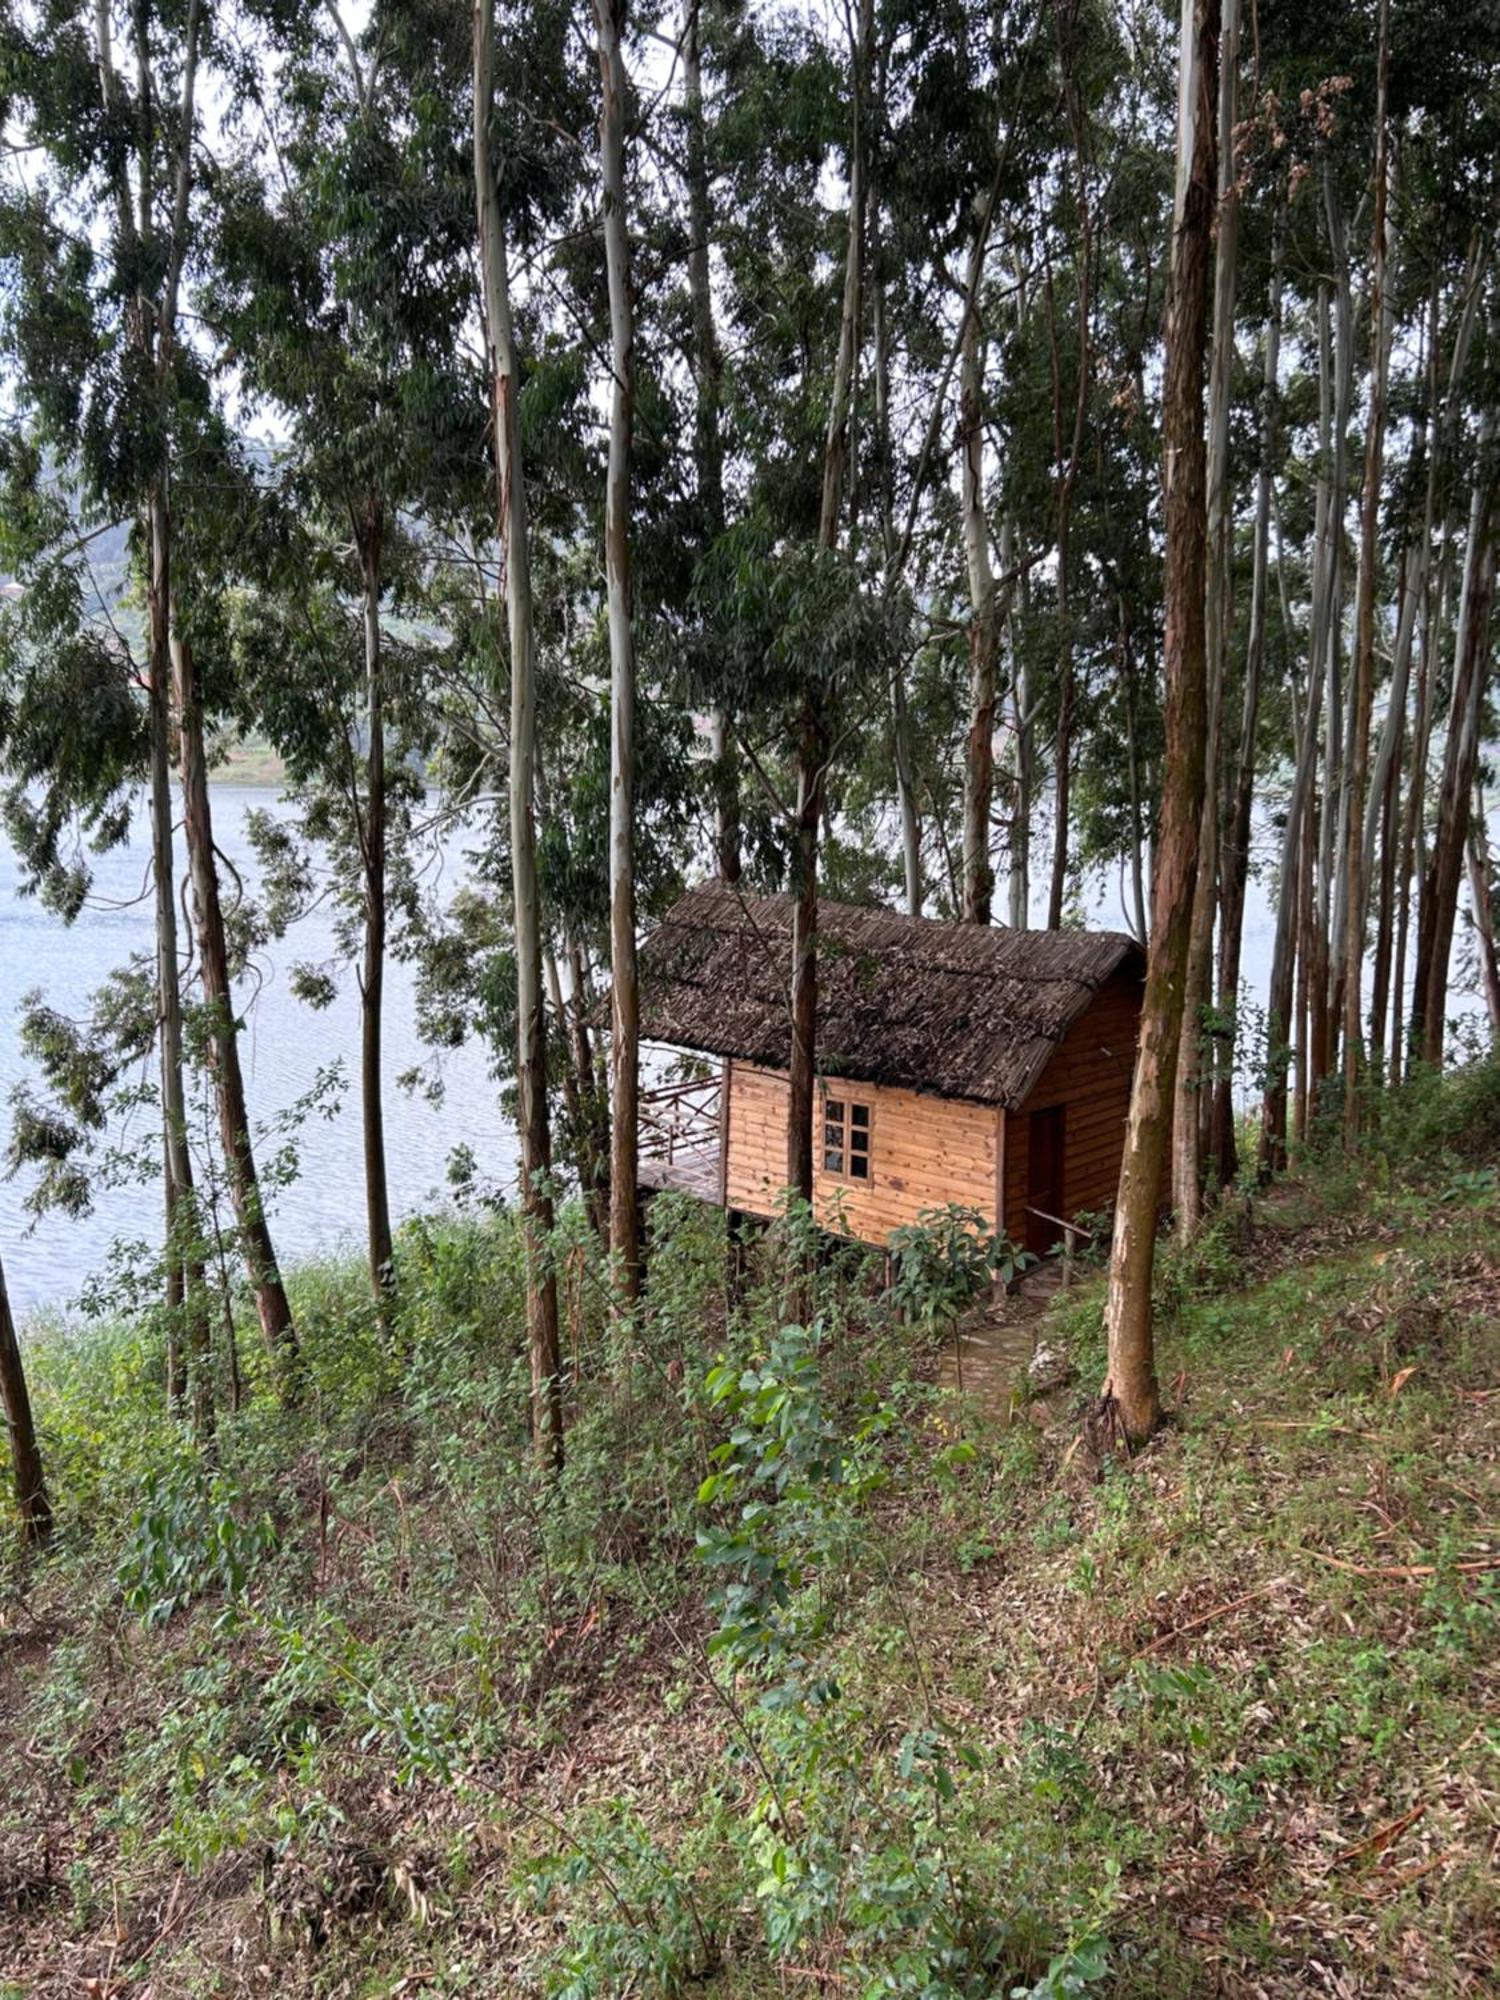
x=954 y=1010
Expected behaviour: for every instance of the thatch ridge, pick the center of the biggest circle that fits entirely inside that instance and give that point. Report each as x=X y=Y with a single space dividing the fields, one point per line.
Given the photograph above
x=957 y=1010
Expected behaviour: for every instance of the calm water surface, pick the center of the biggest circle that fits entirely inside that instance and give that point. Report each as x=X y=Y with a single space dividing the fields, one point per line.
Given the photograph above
x=284 y=1047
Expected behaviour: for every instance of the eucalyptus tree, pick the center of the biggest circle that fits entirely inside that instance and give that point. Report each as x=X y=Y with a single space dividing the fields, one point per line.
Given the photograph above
x=1131 y=1394
x=341 y=284
x=32 y=1502
x=625 y=1026
x=110 y=385
x=1191 y=1095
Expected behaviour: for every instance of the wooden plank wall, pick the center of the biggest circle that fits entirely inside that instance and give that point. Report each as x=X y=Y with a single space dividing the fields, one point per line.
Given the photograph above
x=926 y=1151
x=1090 y=1072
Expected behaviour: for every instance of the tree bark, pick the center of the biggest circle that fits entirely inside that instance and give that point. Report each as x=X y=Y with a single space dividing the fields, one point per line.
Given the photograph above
x=271 y=1304
x=372 y=971
x=984 y=618
x=1235 y=862
x=1024 y=777
x=812 y=738
x=543 y=1338
x=1362 y=693
x=624 y=1046
x=1481 y=894
x=1292 y=952
x=187 y=1295
x=1131 y=1394
x=1194 y=1069
x=1439 y=904
x=708 y=444
x=25 y=1454
x=1435 y=575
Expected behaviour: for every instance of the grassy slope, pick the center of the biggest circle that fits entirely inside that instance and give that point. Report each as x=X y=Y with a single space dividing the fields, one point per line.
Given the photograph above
x=1233 y=1705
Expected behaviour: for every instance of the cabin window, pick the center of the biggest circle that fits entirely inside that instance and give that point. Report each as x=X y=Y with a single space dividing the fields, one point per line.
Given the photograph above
x=847 y=1128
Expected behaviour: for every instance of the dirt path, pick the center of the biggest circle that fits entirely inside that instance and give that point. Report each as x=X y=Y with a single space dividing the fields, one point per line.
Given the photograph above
x=987 y=1356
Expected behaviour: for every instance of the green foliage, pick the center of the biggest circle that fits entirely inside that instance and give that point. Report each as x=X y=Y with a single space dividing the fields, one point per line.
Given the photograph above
x=946 y=1258
x=189 y=1537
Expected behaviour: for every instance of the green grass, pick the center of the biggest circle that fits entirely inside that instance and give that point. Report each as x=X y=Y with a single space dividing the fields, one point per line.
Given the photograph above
x=361 y=1703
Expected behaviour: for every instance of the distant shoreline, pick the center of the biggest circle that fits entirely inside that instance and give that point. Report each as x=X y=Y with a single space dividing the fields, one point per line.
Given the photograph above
x=251 y=764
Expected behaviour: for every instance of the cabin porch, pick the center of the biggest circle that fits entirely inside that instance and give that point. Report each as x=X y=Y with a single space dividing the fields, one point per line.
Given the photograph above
x=681 y=1129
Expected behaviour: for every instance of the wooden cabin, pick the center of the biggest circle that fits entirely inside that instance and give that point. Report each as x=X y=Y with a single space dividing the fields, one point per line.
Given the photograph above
x=956 y=1063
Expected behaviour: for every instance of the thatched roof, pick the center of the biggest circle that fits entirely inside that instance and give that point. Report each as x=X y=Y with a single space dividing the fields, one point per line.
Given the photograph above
x=958 y=1010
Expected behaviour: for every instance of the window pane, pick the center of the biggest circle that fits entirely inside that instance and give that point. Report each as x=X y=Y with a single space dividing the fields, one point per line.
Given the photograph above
x=859 y=1166
x=833 y=1160
x=860 y=1116
x=833 y=1107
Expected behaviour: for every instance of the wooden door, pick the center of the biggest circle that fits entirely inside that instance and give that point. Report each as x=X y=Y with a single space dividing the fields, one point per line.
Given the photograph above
x=1044 y=1177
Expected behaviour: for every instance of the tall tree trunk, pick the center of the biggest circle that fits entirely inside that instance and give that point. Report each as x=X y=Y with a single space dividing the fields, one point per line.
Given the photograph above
x=1293 y=952
x=812 y=736
x=1481 y=894
x=907 y=804
x=1131 y=1391
x=373 y=835
x=543 y=1336
x=25 y=1454
x=1194 y=1073
x=1435 y=576
x=1024 y=777
x=624 y=1046
x=1362 y=693
x=1235 y=862
x=984 y=615
x=271 y=1304
x=1385 y=797
x=1066 y=21
x=152 y=324
x=708 y=444
x=186 y=1284
x=1439 y=904
x=1327 y=973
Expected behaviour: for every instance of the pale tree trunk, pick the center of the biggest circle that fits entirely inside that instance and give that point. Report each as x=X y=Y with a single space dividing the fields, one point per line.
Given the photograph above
x=1481 y=894
x=373 y=834
x=543 y=1337
x=594 y=1086
x=1068 y=471
x=1235 y=861
x=1193 y=1073
x=1292 y=953
x=186 y=1281
x=1131 y=1397
x=271 y=1304
x=812 y=736
x=1362 y=692
x=1439 y=905
x=1140 y=922
x=1326 y=975
x=1385 y=797
x=153 y=324
x=1023 y=782
x=25 y=1454
x=1434 y=597
x=708 y=445
x=906 y=784
x=624 y=1044
x=984 y=615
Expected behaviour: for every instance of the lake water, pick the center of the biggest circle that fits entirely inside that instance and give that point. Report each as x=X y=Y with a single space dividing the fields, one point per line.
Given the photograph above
x=285 y=1045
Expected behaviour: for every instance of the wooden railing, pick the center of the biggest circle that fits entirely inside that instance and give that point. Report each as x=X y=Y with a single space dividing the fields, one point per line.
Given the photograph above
x=681 y=1118
x=1072 y=1233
